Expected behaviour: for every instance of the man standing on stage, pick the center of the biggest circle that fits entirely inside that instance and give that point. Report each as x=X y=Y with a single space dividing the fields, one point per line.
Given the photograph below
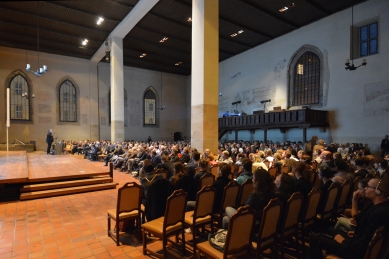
x=49 y=140
x=384 y=146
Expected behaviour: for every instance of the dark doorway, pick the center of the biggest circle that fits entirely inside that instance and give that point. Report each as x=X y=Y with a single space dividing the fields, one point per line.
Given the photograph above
x=177 y=136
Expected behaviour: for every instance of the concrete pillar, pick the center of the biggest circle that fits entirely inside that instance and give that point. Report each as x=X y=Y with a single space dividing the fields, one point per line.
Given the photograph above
x=117 y=90
x=93 y=101
x=205 y=74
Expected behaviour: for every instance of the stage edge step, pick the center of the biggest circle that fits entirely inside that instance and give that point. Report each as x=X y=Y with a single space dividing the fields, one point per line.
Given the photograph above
x=64 y=184
x=66 y=191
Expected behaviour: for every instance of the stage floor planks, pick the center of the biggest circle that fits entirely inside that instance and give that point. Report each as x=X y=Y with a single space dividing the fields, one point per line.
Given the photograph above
x=13 y=167
x=22 y=167
x=43 y=167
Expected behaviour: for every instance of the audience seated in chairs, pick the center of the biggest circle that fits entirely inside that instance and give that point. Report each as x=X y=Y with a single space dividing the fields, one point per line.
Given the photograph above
x=264 y=191
x=246 y=174
x=219 y=184
x=302 y=183
x=203 y=169
x=354 y=245
x=284 y=187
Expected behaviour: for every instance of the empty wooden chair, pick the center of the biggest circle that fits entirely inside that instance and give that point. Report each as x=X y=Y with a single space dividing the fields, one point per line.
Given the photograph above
x=238 y=239
x=128 y=207
x=244 y=193
x=289 y=223
x=267 y=234
x=202 y=214
x=307 y=218
x=170 y=224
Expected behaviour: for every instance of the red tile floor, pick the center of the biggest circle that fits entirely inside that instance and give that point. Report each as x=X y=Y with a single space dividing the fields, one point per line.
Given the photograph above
x=70 y=226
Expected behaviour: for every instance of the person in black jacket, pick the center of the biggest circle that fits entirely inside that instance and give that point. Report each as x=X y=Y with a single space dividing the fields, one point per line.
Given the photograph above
x=49 y=140
x=384 y=146
x=354 y=244
x=302 y=184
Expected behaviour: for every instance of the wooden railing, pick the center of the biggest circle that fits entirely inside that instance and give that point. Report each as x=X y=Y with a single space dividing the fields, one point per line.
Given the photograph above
x=304 y=118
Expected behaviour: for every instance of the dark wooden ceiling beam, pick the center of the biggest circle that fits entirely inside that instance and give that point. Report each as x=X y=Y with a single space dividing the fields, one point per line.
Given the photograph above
x=318 y=7
x=281 y=19
x=50 y=31
x=48 y=41
x=246 y=27
x=53 y=19
x=170 y=36
x=81 y=10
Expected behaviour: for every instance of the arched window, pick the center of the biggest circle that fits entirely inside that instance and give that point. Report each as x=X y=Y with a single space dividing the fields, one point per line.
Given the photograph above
x=305 y=77
x=19 y=98
x=150 y=109
x=67 y=102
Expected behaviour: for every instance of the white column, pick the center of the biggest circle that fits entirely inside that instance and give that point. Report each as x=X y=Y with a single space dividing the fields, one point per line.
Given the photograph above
x=117 y=90
x=205 y=74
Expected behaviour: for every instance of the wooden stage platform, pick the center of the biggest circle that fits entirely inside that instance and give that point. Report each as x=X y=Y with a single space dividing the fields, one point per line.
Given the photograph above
x=18 y=168
x=22 y=167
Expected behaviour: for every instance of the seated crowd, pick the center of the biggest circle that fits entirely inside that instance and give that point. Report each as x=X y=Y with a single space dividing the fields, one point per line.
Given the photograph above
x=309 y=165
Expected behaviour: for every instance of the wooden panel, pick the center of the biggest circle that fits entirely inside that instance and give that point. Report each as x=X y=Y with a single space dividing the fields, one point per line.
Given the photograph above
x=13 y=167
x=65 y=184
x=65 y=191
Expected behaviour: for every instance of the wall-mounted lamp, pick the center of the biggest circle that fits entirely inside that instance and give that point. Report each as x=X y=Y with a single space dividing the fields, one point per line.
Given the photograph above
x=25 y=95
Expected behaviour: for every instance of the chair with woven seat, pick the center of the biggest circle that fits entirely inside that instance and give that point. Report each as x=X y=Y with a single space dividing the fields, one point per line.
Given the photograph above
x=202 y=214
x=206 y=179
x=230 y=196
x=170 y=224
x=244 y=193
x=267 y=234
x=128 y=208
x=238 y=239
x=375 y=248
x=308 y=216
x=289 y=223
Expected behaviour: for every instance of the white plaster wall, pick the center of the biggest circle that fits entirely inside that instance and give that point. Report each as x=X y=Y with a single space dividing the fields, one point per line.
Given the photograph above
x=172 y=93
x=93 y=82
x=267 y=65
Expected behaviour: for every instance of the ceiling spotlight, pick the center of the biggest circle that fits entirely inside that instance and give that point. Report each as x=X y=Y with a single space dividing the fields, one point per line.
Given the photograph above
x=143 y=55
x=164 y=39
x=283 y=9
x=100 y=20
x=85 y=42
x=236 y=33
x=178 y=63
x=189 y=19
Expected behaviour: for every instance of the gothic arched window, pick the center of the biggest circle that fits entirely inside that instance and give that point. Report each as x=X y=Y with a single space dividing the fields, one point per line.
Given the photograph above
x=150 y=109
x=67 y=102
x=19 y=98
